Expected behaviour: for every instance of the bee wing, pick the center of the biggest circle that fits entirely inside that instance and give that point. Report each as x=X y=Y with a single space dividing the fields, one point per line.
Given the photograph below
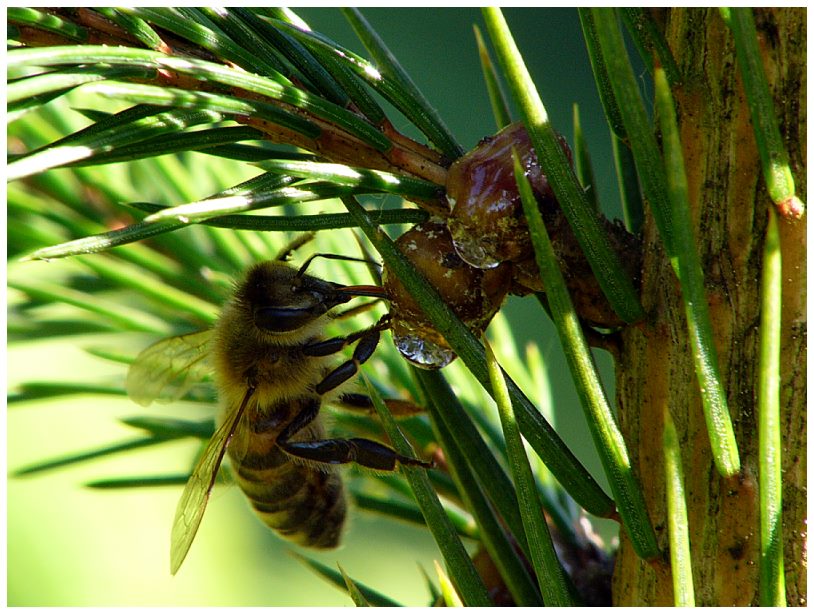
x=196 y=493
x=166 y=370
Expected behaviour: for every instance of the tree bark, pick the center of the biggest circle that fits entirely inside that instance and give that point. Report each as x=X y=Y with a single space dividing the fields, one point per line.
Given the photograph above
x=729 y=205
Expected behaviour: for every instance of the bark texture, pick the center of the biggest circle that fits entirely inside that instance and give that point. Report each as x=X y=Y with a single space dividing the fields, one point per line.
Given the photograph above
x=729 y=205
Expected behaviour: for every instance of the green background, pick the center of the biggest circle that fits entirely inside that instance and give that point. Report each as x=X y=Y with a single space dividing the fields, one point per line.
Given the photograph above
x=69 y=545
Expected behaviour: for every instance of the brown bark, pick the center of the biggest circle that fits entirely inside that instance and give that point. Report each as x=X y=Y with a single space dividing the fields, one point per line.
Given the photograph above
x=729 y=205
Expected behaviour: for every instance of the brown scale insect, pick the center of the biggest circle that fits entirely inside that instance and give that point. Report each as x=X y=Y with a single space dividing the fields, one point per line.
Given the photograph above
x=480 y=250
x=474 y=294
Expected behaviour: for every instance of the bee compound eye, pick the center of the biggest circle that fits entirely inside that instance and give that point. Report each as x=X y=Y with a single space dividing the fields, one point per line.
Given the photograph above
x=284 y=319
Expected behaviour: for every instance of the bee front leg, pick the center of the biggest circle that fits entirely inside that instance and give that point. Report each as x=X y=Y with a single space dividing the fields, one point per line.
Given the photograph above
x=368 y=340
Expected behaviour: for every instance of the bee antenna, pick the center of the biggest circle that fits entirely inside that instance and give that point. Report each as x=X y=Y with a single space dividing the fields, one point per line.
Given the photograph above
x=296 y=243
x=306 y=264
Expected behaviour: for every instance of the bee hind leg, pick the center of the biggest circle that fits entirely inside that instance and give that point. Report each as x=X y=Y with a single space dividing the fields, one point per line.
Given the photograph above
x=361 y=403
x=363 y=452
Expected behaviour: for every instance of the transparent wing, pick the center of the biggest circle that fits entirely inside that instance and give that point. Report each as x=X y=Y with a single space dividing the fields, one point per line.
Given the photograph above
x=166 y=370
x=196 y=493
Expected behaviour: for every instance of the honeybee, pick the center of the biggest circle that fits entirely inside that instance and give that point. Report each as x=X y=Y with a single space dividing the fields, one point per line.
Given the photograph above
x=272 y=370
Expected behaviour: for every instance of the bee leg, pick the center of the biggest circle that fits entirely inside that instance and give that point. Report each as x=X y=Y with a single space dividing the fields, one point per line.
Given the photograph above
x=364 y=452
x=368 y=340
x=354 y=311
x=337 y=344
x=297 y=242
x=357 y=402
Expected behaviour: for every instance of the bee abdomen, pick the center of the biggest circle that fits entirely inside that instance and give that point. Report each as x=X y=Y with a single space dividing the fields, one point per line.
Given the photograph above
x=303 y=504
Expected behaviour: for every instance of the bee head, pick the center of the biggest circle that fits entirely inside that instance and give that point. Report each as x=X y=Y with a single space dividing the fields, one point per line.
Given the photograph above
x=281 y=299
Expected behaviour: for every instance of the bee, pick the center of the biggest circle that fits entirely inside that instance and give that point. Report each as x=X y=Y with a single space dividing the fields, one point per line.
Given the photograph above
x=272 y=370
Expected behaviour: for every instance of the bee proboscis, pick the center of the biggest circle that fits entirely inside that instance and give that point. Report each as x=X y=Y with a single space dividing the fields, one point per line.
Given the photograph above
x=273 y=373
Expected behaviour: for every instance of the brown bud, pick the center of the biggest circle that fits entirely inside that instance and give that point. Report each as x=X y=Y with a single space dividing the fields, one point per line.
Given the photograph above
x=474 y=295
x=486 y=218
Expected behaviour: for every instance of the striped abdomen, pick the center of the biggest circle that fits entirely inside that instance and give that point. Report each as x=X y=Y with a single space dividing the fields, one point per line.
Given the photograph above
x=302 y=503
